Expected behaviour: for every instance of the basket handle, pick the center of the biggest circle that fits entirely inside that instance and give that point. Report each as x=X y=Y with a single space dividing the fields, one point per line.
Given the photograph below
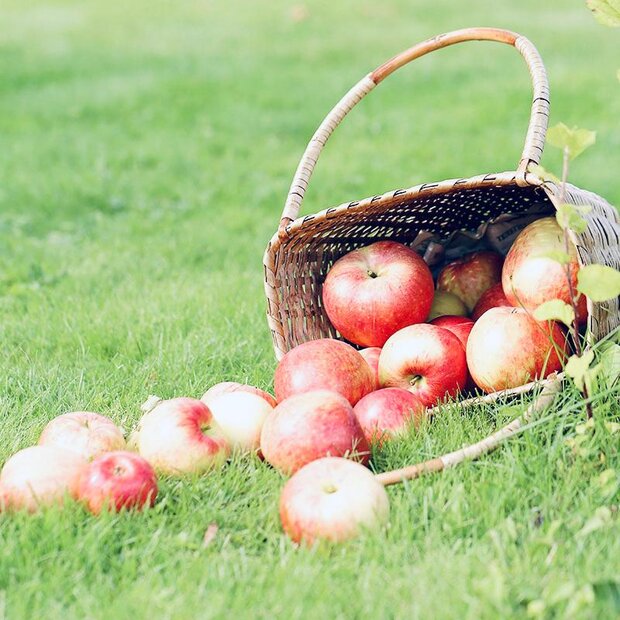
x=537 y=129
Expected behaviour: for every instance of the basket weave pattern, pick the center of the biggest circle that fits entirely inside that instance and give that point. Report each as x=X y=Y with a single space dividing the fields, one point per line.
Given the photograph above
x=303 y=249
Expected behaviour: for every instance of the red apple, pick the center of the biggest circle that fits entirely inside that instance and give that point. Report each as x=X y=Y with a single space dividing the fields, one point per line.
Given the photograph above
x=232 y=386
x=240 y=416
x=86 y=433
x=470 y=276
x=427 y=360
x=508 y=348
x=371 y=355
x=308 y=426
x=40 y=476
x=460 y=326
x=445 y=303
x=323 y=364
x=530 y=277
x=179 y=436
x=117 y=480
x=386 y=413
x=492 y=298
x=374 y=291
x=332 y=499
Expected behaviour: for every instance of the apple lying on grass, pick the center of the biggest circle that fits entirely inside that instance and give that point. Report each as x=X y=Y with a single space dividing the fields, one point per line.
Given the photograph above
x=507 y=347
x=40 y=476
x=227 y=387
x=445 y=303
x=492 y=298
x=308 y=426
x=374 y=291
x=332 y=499
x=388 y=412
x=471 y=275
x=427 y=360
x=531 y=276
x=371 y=355
x=323 y=364
x=240 y=416
x=179 y=436
x=89 y=434
x=117 y=480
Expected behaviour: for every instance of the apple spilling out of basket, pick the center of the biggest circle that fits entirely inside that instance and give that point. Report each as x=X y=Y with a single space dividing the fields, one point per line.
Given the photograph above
x=420 y=343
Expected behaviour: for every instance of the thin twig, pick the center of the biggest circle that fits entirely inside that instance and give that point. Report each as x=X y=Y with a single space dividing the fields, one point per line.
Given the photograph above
x=482 y=447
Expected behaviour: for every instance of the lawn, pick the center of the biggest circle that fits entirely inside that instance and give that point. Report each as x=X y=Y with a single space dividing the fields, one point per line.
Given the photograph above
x=146 y=152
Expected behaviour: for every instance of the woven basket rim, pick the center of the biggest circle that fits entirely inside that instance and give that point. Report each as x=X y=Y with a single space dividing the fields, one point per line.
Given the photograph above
x=447 y=186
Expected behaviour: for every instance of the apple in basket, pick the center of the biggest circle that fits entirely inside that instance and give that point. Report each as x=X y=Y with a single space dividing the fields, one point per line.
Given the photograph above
x=84 y=432
x=372 y=292
x=332 y=499
x=308 y=426
x=40 y=476
x=530 y=276
x=491 y=298
x=180 y=436
x=447 y=304
x=507 y=347
x=323 y=364
x=232 y=386
x=470 y=276
x=117 y=480
x=388 y=412
x=371 y=355
x=427 y=360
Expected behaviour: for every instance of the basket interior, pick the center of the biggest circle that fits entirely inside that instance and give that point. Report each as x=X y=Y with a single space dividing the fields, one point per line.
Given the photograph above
x=455 y=221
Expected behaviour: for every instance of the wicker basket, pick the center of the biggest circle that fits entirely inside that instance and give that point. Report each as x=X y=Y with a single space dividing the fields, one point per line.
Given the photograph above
x=303 y=249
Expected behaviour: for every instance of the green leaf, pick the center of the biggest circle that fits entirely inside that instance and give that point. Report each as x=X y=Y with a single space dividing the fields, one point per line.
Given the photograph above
x=608 y=592
x=571 y=216
x=572 y=138
x=599 y=282
x=606 y=12
x=577 y=368
x=543 y=174
x=555 y=310
x=558 y=256
x=609 y=356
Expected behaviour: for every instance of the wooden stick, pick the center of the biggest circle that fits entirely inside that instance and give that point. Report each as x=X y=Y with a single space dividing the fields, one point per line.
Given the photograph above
x=474 y=451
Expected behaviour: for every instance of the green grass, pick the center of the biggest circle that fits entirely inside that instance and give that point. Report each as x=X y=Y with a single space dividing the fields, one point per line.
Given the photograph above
x=146 y=151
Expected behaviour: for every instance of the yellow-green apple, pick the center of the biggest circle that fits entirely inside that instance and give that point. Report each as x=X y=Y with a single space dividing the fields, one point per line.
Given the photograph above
x=240 y=416
x=471 y=275
x=308 y=426
x=40 y=476
x=332 y=499
x=492 y=298
x=89 y=434
x=388 y=412
x=445 y=303
x=179 y=436
x=323 y=364
x=117 y=480
x=374 y=291
x=427 y=360
x=232 y=386
x=531 y=276
x=507 y=347
x=371 y=355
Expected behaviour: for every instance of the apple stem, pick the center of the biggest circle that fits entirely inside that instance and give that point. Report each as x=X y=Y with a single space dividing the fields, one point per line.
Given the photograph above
x=571 y=290
x=551 y=387
x=371 y=273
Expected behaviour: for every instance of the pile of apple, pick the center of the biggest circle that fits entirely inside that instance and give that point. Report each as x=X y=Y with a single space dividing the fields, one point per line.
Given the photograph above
x=417 y=348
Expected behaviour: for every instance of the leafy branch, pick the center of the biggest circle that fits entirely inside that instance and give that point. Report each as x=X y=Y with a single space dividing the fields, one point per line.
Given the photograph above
x=598 y=282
